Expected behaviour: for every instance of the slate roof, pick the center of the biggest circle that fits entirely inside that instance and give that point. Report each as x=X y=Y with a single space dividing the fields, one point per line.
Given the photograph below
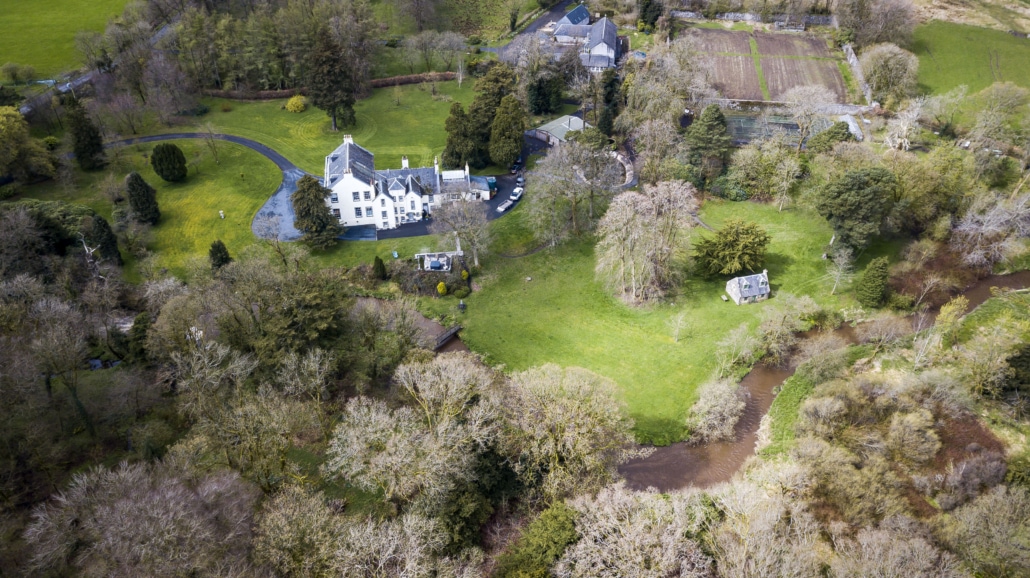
x=559 y=127
x=596 y=61
x=578 y=15
x=573 y=30
x=751 y=285
x=604 y=32
x=421 y=181
x=354 y=157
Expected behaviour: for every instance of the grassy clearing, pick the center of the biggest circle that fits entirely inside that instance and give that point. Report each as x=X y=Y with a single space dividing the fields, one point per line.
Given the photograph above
x=954 y=54
x=564 y=316
x=485 y=18
x=784 y=414
x=43 y=33
x=414 y=128
x=189 y=210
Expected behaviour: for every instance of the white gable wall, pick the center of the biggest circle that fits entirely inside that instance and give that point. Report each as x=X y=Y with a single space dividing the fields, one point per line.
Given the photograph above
x=345 y=190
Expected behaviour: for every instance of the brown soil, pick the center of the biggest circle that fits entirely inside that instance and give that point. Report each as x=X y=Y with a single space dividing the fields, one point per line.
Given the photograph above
x=791 y=45
x=735 y=77
x=782 y=74
x=735 y=42
x=957 y=435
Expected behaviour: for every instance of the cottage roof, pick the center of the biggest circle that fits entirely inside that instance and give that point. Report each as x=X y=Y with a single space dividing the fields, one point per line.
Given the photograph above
x=596 y=61
x=573 y=30
x=752 y=285
x=578 y=15
x=560 y=126
x=349 y=156
x=603 y=32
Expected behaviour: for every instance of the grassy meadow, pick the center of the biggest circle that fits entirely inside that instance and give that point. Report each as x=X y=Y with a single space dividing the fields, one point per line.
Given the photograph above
x=954 y=54
x=562 y=315
x=189 y=210
x=414 y=127
x=43 y=33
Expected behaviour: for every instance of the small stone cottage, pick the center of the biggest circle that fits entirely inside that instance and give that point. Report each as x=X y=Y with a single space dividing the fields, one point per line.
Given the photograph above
x=749 y=288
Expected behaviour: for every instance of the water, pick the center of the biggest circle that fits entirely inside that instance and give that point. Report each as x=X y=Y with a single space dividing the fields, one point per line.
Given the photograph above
x=682 y=465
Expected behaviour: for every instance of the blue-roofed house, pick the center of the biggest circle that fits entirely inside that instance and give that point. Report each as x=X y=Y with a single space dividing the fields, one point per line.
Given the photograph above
x=578 y=15
x=749 y=288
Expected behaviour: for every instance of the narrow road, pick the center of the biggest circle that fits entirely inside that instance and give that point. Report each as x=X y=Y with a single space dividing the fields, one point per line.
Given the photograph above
x=552 y=15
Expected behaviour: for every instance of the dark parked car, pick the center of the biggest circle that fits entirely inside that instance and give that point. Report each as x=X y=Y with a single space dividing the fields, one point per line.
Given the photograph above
x=516 y=168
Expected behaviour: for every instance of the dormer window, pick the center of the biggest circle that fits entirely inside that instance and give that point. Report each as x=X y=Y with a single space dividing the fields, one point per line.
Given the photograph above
x=763 y=283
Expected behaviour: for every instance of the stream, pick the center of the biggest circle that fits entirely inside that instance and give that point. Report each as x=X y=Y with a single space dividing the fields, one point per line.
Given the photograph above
x=682 y=465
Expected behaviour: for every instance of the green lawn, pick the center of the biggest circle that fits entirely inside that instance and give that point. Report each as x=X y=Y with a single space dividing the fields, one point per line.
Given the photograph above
x=955 y=54
x=563 y=316
x=414 y=128
x=486 y=18
x=43 y=33
x=189 y=210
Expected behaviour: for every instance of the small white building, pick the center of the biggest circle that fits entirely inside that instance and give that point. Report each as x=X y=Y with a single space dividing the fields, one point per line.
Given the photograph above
x=361 y=195
x=749 y=288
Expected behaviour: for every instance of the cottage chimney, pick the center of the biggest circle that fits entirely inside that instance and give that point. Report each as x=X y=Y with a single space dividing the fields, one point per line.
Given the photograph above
x=348 y=139
x=404 y=162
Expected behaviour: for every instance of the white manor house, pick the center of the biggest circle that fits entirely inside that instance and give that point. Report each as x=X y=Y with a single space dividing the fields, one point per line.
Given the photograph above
x=361 y=195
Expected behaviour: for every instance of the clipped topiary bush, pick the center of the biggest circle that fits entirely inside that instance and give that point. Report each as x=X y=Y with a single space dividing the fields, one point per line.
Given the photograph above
x=297 y=104
x=169 y=163
x=441 y=288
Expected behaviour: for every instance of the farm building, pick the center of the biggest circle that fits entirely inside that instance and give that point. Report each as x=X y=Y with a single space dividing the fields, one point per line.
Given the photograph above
x=749 y=288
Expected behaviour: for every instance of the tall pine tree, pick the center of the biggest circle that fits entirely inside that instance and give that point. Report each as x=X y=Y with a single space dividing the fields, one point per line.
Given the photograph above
x=872 y=287
x=142 y=199
x=219 y=255
x=709 y=141
x=313 y=216
x=86 y=140
x=506 y=133
x=462 y=138
x=331 y=83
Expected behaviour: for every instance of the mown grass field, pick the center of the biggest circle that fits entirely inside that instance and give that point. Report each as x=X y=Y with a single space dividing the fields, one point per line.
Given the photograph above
x=954 y=54
x=189 y=210
x=564 y=316
x=43 y=33
x=414 y=128
x=486 y=18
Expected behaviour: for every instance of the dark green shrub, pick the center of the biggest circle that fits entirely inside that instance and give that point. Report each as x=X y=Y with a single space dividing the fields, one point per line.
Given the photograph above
x=872 y=288
x=462 y=292
x=825 y=141
x=899 y=301
x=142 y=199
x=1019 y=471
x=169 y=163
x=379 y=269
x=219 y=255
x=51 y=143
x=540 y=546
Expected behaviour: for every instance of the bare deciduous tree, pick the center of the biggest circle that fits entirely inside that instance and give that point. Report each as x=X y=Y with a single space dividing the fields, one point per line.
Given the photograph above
x=624 y=533
x=841 y=266
x=640 y=236
x=569 y=429
x=804 y=104
x=467 y=220
x=713 y=416
x=900 y=546
x=143 y=520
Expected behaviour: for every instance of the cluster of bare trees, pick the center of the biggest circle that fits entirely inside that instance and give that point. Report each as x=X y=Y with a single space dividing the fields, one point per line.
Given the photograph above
x=640 y=247
x=429 y=47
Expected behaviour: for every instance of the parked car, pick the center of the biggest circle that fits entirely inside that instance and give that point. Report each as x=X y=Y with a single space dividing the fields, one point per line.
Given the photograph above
x=517 y=193
x=505 y=206
x=516 y=168
x=521 y=181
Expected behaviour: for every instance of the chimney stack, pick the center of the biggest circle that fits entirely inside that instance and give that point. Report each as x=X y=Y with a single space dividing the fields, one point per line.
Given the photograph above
x=348 y=139
x=404 y=162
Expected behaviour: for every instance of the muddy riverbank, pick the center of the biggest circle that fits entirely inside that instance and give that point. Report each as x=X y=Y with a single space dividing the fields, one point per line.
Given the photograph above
x=681 y=465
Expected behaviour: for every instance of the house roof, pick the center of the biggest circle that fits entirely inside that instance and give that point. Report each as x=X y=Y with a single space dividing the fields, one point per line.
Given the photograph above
x=596 y=61
x=560 y=126
x=573 y=30
x=421 y=181
x=603 y=32
x=349 y=156
x=578 y=15
x=752 y=285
